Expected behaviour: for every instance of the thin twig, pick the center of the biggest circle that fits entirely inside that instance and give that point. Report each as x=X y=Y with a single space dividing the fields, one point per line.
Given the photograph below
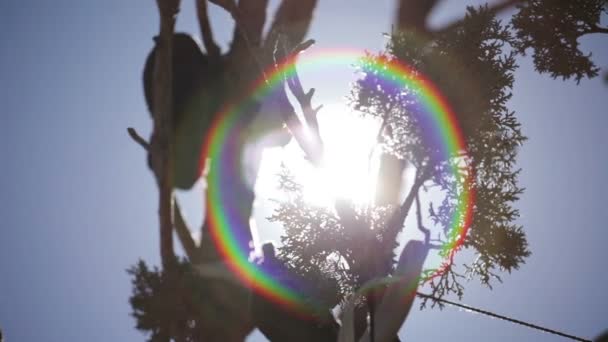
x=138 y=138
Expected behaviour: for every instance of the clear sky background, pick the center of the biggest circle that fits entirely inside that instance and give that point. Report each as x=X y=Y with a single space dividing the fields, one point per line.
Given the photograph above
x=78 y=204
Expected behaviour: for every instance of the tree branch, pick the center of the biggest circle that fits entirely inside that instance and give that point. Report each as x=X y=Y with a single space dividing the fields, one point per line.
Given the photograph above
x=245 y=43
x=595 y=29
x=425 y=231
x=184 y=235
x=138 y=138
x=311 y=144
x=206 y=32
x=227 y=5
x=397 y=220
x=400 y=293
x=413 y=14
x=160 y=144
x=292 y=18
x=494 y=9
x=251 y=15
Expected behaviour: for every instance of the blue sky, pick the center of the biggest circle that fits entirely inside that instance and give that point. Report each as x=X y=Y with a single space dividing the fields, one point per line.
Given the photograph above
x=78 y=204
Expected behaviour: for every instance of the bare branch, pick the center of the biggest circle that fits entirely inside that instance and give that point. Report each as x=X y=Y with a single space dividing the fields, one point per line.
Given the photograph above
x=395 y=223
x=251 y=15
x=400 y=293
x=292 y=18
x=425 y=231
x=138 y=138
x=595 y=29
x=160 y=144
x=434 y=246
x=312 y=144
x=413 y=14
x=206 y=32
x=247 y=31
x=184 y=235
x=494 y=9
x=227 y=5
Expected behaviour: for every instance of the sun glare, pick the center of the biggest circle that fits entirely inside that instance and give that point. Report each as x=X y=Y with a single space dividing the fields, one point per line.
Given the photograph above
x=348 y=170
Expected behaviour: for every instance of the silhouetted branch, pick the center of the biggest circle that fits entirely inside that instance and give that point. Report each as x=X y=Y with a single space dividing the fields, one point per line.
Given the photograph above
x=311 y=143
x=160 y=144
x=492 y=9
x=228 y=5
x=595 y=29
x=251 y=15
x=399 y=294
x=292 y=18
x=413 y=14
x=425 y=231
x=397 y=220
x=184 y=235
x=206 y=32
x=305 y=99
x=138 y=138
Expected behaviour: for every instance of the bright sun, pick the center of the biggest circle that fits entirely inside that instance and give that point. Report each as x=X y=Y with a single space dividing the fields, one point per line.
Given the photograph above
x=348 y=170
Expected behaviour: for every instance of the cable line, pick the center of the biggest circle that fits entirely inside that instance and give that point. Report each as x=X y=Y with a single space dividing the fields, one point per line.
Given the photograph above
x=505 y=318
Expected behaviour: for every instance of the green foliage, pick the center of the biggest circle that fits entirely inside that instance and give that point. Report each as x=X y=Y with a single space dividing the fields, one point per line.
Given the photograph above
x=178 y=301
x=318 y=246
x=160 y=300
x=472 y=70
x=470 y=67
x=551 y=28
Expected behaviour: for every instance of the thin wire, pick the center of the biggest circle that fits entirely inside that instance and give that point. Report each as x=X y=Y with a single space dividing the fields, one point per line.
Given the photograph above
x=505 y=318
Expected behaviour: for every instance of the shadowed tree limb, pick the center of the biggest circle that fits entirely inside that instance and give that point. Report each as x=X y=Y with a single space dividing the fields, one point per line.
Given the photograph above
x=397 y=220
x=422 y=228
x=206 y=32
x=184 y=235
x=292 y=18
x=228 y=5
x=314 y=142
x=413 y=14
x=295 y=86
x=425 y=231
x=160 y=144
x=306 y=134
x=493 y=9
x=596 y=29
x=399 y=296
x=248 y=32
x=138 y=138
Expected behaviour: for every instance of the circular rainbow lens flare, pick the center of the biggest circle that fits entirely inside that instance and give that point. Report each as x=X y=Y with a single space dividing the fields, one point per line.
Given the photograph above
x=221 y=147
